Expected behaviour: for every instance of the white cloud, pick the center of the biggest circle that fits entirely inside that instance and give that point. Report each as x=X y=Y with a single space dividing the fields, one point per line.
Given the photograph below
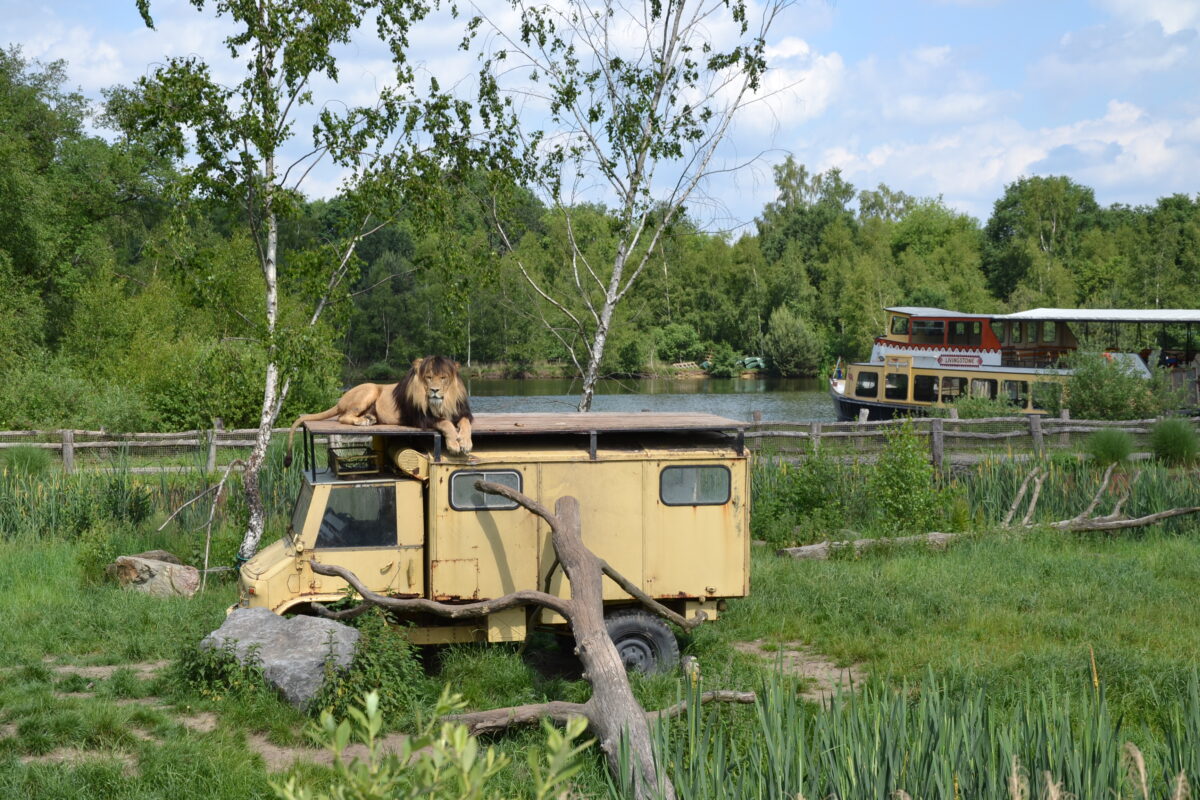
x=1115 y=54
x=1172 y=15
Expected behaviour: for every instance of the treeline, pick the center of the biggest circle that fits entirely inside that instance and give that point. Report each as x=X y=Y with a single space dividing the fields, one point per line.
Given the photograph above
x=124 y=305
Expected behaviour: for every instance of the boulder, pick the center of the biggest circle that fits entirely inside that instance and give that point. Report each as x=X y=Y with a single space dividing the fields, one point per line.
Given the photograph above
x=159 y=555
x=292 y=652
x=155 y=578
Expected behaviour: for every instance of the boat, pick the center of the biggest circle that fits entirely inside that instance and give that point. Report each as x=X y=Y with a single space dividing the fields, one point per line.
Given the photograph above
x=932 y=357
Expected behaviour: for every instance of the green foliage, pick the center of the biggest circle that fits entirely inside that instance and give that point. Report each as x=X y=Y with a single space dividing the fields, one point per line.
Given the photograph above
x=1108 y=446
x=440 y=762
x=1102 y=387
x=803 y=502
x=791 y=344
x=1174 y=441
x=25 y=460
x=97 y=549
x=904 y=486
x=385 y=663
x=677 y=341
x=215 y=673
x=724 y=361
x=979 y=408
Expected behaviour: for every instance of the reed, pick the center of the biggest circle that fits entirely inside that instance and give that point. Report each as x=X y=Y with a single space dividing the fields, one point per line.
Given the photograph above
x=925 y=741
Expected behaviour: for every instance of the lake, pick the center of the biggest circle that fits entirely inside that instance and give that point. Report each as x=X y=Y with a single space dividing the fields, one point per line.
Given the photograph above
x=779 y=399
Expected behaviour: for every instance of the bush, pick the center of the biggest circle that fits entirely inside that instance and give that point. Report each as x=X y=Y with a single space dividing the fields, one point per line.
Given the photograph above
x=791 y=345
x=979 y=408
x=903 y=485
x=677 y=342
x=385 y=662
x=97 y=549
x=1106 y=388
x=1109 y=446
x=724 y=362
x=1174 y=441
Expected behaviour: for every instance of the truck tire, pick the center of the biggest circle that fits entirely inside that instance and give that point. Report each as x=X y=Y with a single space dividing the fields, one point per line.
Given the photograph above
x=644 y=642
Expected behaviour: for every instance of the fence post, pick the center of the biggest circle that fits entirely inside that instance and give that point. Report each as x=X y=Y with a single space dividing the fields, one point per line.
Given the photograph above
x=814 y=433
x=68 y=451
x=1064 y=438
x=937 y=442
x=218 y=425
x=1035 y=431
x=863 y=413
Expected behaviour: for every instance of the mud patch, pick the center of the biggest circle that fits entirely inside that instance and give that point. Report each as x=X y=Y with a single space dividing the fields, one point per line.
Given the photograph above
x=143 y=670
x=7 y=730
x=73 y=757
x=279 y=758
x=204 y=722
x=798 y=659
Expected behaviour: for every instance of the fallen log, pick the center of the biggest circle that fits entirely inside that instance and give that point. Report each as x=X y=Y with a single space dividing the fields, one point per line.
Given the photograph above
x=823 y=550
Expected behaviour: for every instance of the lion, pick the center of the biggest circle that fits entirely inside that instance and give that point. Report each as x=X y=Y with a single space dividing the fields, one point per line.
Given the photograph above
x=431 y=395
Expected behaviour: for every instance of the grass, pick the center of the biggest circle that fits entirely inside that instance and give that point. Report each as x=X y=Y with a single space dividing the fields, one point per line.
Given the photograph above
x=1000 y=625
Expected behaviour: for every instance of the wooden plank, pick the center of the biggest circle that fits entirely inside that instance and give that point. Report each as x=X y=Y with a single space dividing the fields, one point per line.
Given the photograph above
x=602 y=422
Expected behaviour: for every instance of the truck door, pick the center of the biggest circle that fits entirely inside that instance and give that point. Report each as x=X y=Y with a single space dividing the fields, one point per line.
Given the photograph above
x=376 y=530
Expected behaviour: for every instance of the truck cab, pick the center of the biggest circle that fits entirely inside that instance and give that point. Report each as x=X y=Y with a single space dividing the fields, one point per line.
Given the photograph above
x=664 y=499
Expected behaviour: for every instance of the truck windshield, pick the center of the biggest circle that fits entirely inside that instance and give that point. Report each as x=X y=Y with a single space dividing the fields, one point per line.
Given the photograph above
x=299 y=513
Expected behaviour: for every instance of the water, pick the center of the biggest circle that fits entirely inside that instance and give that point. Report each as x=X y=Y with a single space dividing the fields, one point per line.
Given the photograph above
x=779 y=399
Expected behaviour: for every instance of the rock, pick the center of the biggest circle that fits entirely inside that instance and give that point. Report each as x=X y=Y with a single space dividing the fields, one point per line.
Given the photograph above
x=292 y=652
x=159 y=555
x=155 y=578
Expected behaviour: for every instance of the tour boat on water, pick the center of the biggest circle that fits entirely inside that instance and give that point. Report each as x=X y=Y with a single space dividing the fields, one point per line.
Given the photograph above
x=932 y=357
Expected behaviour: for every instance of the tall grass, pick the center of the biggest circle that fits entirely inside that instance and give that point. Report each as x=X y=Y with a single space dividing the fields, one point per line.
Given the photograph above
x=929 y=741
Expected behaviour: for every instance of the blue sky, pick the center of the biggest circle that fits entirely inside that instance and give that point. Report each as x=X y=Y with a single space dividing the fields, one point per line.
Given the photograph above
x=933 y=97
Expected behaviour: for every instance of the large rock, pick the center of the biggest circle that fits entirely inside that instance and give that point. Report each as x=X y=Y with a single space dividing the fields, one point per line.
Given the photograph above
x=292 y=652
x=155 y=578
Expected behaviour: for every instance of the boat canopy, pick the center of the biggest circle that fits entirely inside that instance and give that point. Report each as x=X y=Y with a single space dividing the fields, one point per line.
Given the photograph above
x=1165 y=316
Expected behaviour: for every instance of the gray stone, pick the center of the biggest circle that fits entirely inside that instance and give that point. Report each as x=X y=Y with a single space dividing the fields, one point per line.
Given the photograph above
x=155 y=578
x=292 y=652
x=160 y=555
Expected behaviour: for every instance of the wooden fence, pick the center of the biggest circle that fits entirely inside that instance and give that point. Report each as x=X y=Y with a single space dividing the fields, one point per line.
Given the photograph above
x=949 y=440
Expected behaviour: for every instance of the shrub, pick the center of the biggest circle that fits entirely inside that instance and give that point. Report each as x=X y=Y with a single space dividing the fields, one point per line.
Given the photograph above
x=979 y=408
x=792 y=345
x=903 y=483
x=215 y=673
x=1108 y=446
x=1174 y=441
x=26 y=460
x=677 y=341
x=385 y=662
x=97 y=549
x=724 y=361
x=1107 y=388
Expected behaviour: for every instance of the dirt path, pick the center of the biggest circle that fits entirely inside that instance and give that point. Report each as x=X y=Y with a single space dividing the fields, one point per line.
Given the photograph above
x=795 y=658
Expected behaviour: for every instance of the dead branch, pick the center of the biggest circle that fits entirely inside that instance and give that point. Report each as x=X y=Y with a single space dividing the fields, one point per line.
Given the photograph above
x=1087 y=512
x=1016 y=503
x=721 y=696
x=1037 y=493
x=1106 y=524
x=212 y=513
x=823 y=550
x=649 y=602
x=1120 y=504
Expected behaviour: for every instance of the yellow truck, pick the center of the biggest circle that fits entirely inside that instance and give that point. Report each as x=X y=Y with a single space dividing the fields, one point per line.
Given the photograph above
x=664 y=499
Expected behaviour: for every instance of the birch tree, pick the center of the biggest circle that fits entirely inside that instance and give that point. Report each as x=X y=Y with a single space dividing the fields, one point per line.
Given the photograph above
x=237 y=135
x=624 y=104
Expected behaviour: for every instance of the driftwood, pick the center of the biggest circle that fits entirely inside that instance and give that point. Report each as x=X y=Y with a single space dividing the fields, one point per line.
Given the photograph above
x=612 y=712
x=1084 y=521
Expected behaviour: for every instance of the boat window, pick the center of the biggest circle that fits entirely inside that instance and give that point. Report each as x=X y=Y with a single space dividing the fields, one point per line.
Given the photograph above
x=953 y=389
x=694 y=486
x=966 y=333
x=928 y=331
x=1017 y=328
x=359 y=516
x=895 y=386
x=1016 y=393
x=998 y=329
x=1049 y=332
x=925 y=388
x=900 y=326
x=983 y=387
x=867 y=384
x=1047 y=396
x=465 y=497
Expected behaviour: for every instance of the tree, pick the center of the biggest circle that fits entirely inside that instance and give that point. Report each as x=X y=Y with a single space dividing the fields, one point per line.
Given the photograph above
x=636 y=100
x=239 y=132
x=792 y=345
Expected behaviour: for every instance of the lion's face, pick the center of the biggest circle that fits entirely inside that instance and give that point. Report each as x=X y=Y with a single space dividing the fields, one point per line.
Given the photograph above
x=436 y=387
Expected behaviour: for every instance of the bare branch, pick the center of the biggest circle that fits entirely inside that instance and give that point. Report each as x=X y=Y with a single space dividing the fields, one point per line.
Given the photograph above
x=719 y=696
x=498 y=719
x=650 y=602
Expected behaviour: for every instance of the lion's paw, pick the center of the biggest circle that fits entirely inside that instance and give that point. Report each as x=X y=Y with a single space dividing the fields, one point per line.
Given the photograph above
x=464 y=445
x=366 y=419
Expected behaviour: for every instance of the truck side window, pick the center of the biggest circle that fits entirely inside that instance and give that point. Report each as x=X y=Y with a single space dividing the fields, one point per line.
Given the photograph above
x=694 y=486
x=359 y=516
x=465 y=497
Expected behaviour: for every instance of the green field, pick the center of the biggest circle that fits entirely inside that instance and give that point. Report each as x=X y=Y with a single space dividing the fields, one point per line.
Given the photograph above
x=997 y=634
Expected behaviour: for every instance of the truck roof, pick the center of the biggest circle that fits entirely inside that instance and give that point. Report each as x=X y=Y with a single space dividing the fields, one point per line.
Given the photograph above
x=543 y=424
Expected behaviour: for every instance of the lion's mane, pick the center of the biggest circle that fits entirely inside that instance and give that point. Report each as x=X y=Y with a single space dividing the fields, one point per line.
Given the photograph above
x=412 y=397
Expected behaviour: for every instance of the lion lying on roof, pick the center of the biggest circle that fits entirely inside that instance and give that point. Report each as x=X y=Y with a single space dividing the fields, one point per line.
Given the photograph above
x=432 y=395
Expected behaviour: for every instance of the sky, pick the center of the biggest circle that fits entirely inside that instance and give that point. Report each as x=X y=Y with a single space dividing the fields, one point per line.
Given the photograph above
x=937 y=98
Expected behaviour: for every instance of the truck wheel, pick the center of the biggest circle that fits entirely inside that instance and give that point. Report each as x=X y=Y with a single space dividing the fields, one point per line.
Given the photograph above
x=645 y=643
